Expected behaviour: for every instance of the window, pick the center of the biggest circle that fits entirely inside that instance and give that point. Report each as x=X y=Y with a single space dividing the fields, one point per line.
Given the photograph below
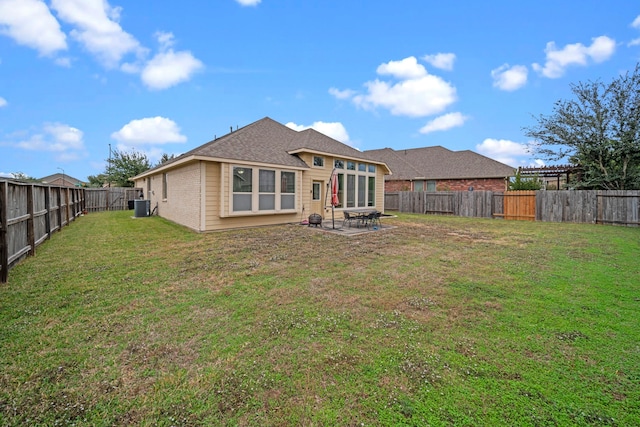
x=351 y=191
x=164 y=186
x=242 y=188
x=267 y=189
x=287 y=190
x=341 y=189
x=362 y=190
x=316 y=191
x=358 y=187
x=318 y=161
x=371 y=201
x=148 y=187
x=431 y=186
x=418 y=186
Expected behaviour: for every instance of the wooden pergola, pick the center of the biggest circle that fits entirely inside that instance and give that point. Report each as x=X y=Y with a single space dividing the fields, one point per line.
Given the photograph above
x=556 y=171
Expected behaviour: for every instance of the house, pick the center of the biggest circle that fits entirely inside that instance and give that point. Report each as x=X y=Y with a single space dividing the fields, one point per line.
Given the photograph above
x=439 y=169
x=62 y=180
x=262 y=174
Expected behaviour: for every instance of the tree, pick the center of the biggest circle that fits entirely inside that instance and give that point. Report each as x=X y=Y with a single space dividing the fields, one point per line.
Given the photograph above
x=98 y=181
x=20 y=176
x=520 y=183
x=599 y=130
x=124 y=165
x=165 y=158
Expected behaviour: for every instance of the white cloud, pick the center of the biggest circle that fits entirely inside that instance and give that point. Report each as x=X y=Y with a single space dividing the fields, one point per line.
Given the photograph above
x=169 y=68
x=248 y=2
x=98 y=29
x=509 y=78
x=444 y=61
x=30 y=23
x=636 y=22
x=503 y=150
x=445 y=122
x=335 y=130
x=150 y=130
x=64 y=140
x=407 y=68
x=3 y=102
x=600 y=50
x=342 y=94
x=416 y=94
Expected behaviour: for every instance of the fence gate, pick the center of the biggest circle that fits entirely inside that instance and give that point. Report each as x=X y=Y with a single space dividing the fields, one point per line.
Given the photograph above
x=520 y=205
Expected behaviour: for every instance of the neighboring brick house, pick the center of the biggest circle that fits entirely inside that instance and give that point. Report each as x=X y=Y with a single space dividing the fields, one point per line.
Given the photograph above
x=62 y=180
x=439 y=169
x=262 y=174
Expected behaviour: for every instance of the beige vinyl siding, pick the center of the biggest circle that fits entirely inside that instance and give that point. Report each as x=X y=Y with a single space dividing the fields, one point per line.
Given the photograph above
x=324 y=174
x=212 y=210
x=218 y=203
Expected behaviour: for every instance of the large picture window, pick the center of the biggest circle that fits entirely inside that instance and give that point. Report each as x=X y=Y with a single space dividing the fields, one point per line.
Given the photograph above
x=351 y=191
x=362 y=190
x=266 y=190
x=356 y=184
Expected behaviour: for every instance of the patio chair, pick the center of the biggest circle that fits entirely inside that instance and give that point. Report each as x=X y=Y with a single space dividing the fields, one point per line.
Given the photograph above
x=347 y=219
x=373 y=219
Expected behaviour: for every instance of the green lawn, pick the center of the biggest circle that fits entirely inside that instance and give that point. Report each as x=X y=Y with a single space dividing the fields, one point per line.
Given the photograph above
x=441 y=321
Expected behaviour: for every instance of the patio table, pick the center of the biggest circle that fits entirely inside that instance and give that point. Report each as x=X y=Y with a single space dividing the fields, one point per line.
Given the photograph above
x=360 y=215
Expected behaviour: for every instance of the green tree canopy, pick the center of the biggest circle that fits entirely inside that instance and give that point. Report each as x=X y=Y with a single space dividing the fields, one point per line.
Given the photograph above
x=520 y=183
x=598 y=130
x=165 y=158
x=124 y=165
x=98 y=181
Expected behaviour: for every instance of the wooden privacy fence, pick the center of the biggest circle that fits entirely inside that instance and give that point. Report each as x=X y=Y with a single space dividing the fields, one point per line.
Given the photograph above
x=29 y=214
x=110 y=199
x=583 y=206
x=459 y=203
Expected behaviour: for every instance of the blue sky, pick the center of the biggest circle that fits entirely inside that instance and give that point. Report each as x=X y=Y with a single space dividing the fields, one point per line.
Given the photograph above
x=164 y=77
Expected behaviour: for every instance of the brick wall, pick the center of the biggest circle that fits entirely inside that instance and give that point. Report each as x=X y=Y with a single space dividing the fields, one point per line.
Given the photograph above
x=486 y=184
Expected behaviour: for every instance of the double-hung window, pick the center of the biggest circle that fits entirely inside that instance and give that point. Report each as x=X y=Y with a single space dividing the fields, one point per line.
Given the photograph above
x=287 y=190
x=242 y=189
x=267 y=184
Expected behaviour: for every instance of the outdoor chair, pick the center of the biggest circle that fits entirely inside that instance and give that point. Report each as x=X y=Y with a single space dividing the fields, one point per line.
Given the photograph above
x=372 y=219
x=347 y=219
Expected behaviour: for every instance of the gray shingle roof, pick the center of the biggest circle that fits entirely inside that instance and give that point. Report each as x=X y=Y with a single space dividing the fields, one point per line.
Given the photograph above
x=267 y=141
x=439 y=163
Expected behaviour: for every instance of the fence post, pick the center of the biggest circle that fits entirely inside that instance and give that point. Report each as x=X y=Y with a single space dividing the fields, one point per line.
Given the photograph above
x=59 y=197
x=4 y=244
x=31 y=235
x=47 y=207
